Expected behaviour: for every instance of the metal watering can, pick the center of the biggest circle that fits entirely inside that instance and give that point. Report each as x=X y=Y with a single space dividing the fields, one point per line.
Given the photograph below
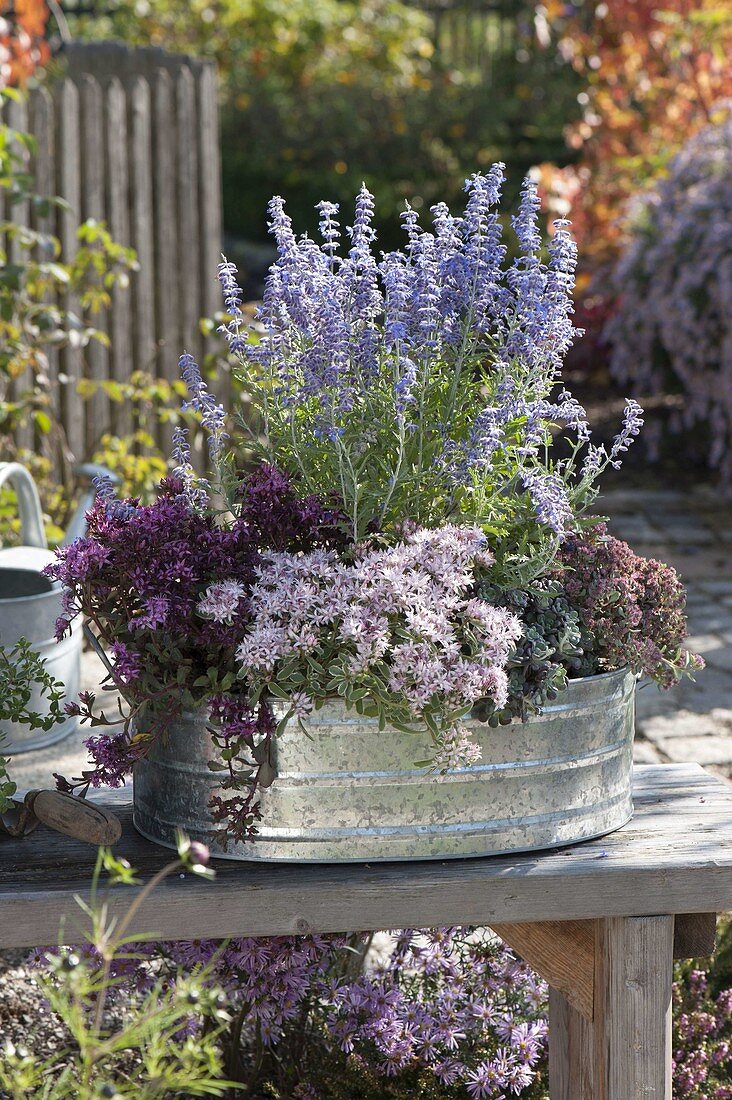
x=30 y=603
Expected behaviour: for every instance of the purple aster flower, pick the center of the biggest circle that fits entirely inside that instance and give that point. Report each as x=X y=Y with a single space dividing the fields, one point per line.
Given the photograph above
x=485 y=1081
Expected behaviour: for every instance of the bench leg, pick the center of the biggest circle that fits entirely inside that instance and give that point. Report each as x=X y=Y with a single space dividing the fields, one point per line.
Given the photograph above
x=624 y=1053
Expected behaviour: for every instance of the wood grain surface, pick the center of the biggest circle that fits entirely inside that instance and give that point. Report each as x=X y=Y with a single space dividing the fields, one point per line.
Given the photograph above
x=675 y=856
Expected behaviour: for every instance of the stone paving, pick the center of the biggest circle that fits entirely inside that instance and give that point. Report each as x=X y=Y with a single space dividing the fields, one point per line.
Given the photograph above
x=691 y=722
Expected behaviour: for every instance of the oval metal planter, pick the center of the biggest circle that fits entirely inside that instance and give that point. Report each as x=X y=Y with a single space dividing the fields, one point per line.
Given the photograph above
x=352 y=794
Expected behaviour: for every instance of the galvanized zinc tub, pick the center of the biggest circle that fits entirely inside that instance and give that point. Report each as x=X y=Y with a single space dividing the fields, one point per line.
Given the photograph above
x=352 y=794
x=29 y=607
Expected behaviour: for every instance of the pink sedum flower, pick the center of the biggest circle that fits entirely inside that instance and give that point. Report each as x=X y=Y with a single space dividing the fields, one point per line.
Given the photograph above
x=220 y=601
x=403 y=617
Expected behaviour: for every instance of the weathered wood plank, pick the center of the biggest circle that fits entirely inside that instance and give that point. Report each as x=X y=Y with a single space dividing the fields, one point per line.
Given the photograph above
x=142 y=224
x=632 y=1024
x=624 y=1053
x=96 y=407
x=188 y=210
x=19 y=213
x=209 y=159
x=562 y=952
x=69 y=183
x=16 y=116
x=631 y=873
x=42 y=125
x=571 y=1051
x=118 y=198
x=167 y=268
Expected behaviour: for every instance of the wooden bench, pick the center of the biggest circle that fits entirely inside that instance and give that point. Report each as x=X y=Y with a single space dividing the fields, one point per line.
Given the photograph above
x=602 y=921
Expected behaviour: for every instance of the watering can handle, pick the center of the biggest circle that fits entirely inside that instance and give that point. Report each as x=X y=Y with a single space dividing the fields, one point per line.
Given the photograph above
x=77 y=526
x=29 y=504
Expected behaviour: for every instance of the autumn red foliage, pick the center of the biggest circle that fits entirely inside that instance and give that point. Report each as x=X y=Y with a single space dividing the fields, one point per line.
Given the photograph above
x=23 y=45
x=656 y=72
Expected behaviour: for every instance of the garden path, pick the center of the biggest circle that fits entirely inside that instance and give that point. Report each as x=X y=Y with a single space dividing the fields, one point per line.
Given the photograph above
x=692 y=722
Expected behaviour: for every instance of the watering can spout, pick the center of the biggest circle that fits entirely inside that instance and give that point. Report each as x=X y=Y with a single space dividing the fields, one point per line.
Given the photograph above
x=87 y=473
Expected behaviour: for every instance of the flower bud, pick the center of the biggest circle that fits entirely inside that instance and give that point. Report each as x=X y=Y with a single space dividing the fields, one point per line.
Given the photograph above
x=199 y=853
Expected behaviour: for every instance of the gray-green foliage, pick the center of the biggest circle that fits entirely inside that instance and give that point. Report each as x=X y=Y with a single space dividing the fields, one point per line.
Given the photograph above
x=154 y=1053
x=7 y=786
x=549 y=647
x=21 y=671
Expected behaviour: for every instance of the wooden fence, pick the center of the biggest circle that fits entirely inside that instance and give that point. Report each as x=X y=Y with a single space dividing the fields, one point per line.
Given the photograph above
x=477 y=35
x=130 y=137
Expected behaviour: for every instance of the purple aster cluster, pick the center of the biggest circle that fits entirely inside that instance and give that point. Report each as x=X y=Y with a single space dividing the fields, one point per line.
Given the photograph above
x=702 y=1055
x=671 y=332
x=443 y=1012
x=269 y=978
x=401 y=623
x=453 y=1001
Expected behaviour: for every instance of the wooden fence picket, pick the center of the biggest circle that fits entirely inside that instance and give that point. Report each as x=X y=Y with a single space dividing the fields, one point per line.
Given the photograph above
x=17 y=116
x=142 y=237
x=96 y=409
x=69 y=187
x=129 y=137
x=165 y=206
x=41 y=107
x=189 y=223
x=210 y=208
x=118 y=218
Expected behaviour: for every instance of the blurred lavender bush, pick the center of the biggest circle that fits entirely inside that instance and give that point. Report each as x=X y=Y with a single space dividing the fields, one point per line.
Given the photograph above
x=672 y=331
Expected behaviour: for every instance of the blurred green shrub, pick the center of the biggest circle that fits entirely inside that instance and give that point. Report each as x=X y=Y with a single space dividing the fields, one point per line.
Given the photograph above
x=319 y=95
